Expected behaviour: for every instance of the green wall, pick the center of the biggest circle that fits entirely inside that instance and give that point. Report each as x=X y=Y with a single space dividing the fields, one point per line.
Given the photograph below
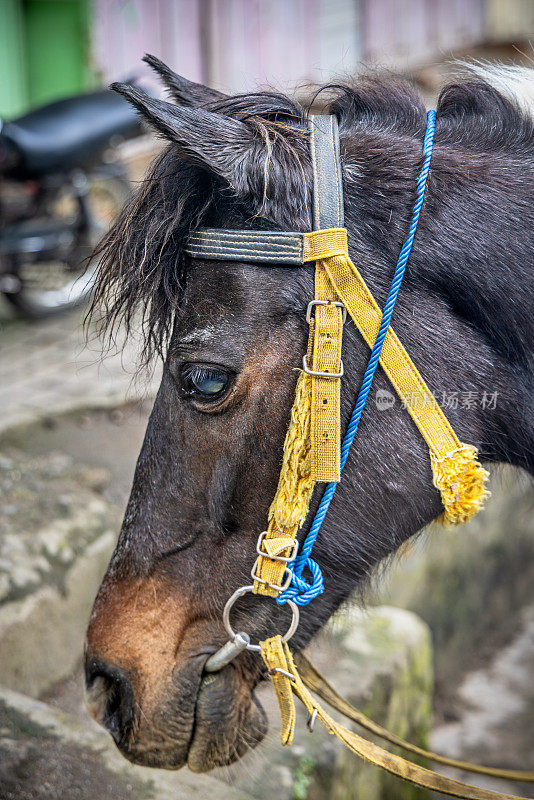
x=44 y=52
x=13 y=68
x=57 y=48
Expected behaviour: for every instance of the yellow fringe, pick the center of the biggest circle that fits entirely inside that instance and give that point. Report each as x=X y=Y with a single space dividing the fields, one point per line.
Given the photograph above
x=461 y=481
x=457 y=475
x=295 y=486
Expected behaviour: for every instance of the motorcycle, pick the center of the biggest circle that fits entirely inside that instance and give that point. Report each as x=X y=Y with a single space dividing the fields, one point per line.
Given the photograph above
x=59 y=192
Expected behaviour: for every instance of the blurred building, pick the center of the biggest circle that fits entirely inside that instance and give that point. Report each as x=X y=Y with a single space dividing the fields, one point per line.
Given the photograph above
x=52 y=48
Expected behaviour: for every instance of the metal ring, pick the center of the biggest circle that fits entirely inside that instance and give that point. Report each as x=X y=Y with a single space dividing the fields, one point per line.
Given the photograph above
x=280 y=671
x=245 y=590
x=311 y=720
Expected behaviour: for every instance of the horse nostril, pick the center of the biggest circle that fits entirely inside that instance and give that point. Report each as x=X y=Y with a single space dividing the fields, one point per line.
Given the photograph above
x=109 y=698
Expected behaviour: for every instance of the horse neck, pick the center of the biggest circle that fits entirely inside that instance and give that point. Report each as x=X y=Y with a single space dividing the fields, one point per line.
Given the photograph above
x=469 y=288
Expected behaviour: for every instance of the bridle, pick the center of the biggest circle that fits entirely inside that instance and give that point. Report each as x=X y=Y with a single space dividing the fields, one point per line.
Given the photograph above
x=314 y=452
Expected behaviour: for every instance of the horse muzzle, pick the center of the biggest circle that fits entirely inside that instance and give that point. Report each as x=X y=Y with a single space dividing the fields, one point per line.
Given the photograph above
x=201 y=719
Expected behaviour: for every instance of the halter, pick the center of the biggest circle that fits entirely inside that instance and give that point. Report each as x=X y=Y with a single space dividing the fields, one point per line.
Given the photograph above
x=313 y=451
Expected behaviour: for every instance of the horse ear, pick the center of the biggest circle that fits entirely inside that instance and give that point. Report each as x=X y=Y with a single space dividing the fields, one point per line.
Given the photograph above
x=185 y=92
x=214 y=141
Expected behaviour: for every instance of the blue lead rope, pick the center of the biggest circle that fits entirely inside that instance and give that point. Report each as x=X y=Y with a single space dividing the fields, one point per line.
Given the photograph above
x=300 y=590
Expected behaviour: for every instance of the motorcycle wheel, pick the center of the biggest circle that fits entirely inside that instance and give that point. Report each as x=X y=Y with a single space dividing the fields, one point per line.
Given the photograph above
x=62 y=284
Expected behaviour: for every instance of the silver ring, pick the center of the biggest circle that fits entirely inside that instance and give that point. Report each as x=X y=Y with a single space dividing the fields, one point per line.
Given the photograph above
x=245 y=590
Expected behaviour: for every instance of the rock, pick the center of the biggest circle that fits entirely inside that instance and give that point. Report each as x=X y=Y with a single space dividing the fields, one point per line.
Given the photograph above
x=95 y=478
x=474 y=586
x=5 y=583
x=58 y=513
x=497 y=719
x=46 y=755
x=53 y=553
x=41 y=635
x=23 y=577
x=391 y=651
x=470 y=583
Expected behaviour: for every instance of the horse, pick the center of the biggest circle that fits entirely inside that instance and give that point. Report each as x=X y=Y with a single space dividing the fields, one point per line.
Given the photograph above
x=231 y=337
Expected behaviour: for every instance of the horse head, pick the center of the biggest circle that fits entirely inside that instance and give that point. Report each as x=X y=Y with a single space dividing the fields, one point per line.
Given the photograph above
x=231 y=336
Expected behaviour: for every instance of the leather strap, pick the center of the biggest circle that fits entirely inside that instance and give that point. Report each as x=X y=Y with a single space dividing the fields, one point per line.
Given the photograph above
x=327 y=330
x=317 y=683
x=278 y=248
x=328 y=211
x=274 y=656
x=270 y=248
x=284 y=248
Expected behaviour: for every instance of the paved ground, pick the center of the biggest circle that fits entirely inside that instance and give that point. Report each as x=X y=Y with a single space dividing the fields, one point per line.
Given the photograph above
x=47 y=367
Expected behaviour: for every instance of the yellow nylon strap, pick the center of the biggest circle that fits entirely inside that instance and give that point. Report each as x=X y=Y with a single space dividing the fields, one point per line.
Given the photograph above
x=326 y=357
x=274 y=656
x=457 y=474
x=279 y=655
x=317 y=683
x=277 y=545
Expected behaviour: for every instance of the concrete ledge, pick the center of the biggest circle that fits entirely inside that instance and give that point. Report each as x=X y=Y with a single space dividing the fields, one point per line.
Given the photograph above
x=47 y=755
x=56 y=537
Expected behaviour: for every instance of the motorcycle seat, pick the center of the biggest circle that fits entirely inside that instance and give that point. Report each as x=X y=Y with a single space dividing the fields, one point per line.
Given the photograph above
x=67 y=133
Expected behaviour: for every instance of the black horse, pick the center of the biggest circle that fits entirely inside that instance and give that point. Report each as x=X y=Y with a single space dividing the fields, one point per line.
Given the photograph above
x=232 y=335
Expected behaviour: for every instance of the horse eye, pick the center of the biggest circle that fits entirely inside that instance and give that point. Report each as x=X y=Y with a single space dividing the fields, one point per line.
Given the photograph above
x=206 y=382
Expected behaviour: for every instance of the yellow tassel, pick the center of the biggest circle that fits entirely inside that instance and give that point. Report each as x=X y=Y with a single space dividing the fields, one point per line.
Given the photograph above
x=461 y=480
x=295 y=486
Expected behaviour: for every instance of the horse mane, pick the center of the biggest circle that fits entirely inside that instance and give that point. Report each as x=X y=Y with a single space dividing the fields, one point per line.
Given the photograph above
x=140 y=274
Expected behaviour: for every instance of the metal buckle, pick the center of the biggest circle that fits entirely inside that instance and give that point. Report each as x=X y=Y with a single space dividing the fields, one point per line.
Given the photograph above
x=239 y=593
x=311 y=720
x=281 y=588
x=322 y=374
x=281 y=671
x=260 y=552
x=336 y=303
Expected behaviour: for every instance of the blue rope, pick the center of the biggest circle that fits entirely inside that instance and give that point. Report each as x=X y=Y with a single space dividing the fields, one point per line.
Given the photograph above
x=300 y=590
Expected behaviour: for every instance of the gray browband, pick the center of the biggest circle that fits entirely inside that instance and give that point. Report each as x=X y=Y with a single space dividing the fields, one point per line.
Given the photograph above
x=276 y=247
x=283 y=248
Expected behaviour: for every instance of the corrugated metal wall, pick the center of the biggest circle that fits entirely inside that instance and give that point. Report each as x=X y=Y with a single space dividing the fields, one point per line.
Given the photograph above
x=230 y=44
x=413 y=31
x=237 y=45
x=124 y=30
